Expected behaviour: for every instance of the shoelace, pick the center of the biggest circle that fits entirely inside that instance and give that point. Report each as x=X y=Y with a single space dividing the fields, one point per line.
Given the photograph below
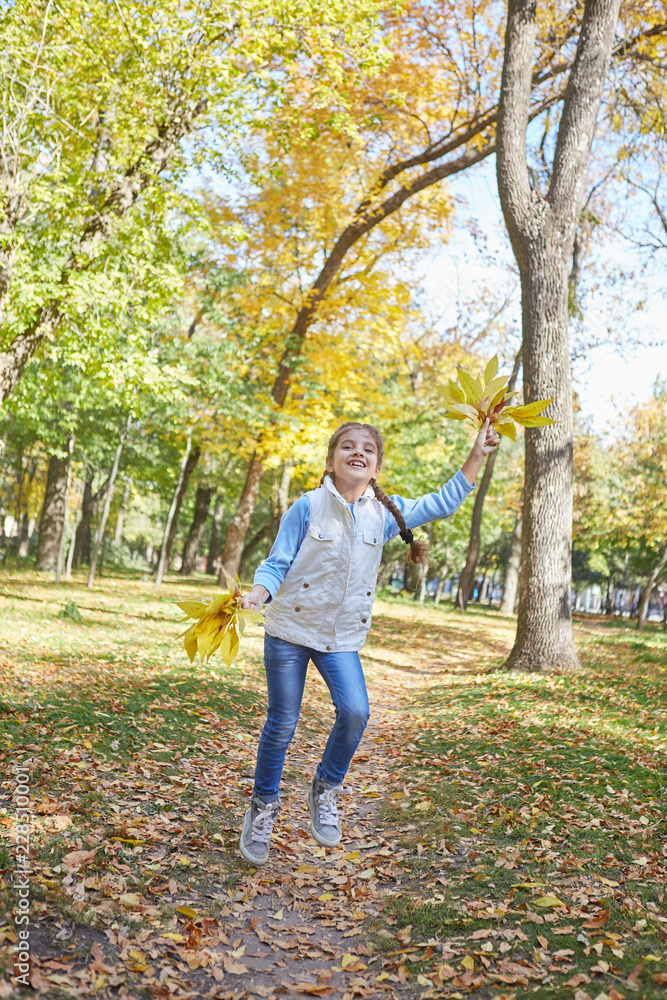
x=326 y=803
x=263 y=824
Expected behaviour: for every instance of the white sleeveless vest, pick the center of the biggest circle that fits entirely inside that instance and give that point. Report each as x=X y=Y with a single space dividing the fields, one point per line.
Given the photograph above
x=326 y=599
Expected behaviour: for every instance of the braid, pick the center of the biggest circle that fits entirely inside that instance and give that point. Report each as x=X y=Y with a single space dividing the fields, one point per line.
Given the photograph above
x=418 y=550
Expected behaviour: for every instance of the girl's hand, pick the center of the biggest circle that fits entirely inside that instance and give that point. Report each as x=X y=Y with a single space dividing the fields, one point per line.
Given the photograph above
x=488 y=439
x=256 y=598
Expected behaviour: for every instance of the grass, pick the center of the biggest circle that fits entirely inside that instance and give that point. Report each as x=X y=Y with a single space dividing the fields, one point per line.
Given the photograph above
x=500 y=790
x=556 y=787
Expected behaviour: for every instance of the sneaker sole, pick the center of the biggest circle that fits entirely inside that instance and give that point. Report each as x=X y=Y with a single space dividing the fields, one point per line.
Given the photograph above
x=318 y=837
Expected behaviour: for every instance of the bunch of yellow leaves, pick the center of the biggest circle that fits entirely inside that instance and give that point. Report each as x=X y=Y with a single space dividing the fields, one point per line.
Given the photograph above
x=475 y=399
x=218 y=625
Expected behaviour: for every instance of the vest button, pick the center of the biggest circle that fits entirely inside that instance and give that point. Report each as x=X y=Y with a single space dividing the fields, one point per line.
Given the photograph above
x=364 y=620
x=297 y=609
x=306 y=585
x=321 y=534
x=374 y=541
x=368 y=593
x=328 y=647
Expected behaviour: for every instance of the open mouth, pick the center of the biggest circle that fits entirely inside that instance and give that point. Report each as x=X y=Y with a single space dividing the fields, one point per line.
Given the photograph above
x=355 y=464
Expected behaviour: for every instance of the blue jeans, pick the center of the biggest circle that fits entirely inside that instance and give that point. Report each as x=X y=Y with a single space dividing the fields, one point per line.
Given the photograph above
x=286 y=665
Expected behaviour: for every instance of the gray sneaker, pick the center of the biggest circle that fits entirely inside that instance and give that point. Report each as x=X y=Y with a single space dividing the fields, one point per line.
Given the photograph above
x=324 y=821
x=256 y=834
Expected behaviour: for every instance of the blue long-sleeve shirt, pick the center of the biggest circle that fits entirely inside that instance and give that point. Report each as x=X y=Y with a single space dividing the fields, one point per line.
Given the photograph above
x=294 y=525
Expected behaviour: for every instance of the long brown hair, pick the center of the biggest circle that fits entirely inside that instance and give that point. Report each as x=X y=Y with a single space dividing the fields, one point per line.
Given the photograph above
x=418 y=549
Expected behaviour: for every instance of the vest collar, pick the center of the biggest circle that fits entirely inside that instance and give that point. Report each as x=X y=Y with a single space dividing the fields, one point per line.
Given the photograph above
x=329 y=485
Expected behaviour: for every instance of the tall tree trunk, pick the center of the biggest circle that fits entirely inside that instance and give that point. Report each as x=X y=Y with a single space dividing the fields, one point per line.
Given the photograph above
x=90 y=506
x=171 y=514
x=252 y=544
x=511 y=584
x=63 y=537
x=193 y=458
x=17 y=517
x=102 y=526
x=52 y=516
x=542 y=230
x=83 y=534
x=191 y=548
x=237 y=528
x=214 y=553
x=72 y=544
x=27 y=523
x=648 y=589
x=467 y=581
x=118 y=533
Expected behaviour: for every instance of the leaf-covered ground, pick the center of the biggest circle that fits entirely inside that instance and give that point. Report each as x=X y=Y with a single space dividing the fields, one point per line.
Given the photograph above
x=504 y=836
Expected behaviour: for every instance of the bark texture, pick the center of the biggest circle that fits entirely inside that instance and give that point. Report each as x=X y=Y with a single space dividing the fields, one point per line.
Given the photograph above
x=648 y=590
x=90 y=506
x=542 y=228
x=118 y=533
x=98 y=546
x=193 y=541
x=214 y=545
x=60 y=562
x=190 y=465
x=239 y=524
x=52 y=516
x=173 y=513
x=511 y=584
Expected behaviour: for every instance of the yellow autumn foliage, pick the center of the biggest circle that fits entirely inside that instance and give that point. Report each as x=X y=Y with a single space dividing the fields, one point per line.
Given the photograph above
x=218 y=626
x=486 y=397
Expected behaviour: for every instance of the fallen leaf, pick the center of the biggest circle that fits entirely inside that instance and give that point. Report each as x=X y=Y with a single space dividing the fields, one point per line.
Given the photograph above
x=77 y=859
x=187 y=911
x=577 y=980
x=236 y=968
x=548 y=901
x=598 y=921
x=131 y=900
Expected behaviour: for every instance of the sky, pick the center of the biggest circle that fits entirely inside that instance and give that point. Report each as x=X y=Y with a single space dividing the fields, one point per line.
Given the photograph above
x=610 y=376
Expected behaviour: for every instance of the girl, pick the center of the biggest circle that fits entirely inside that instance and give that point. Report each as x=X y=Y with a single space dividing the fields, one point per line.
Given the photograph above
x=320 y=579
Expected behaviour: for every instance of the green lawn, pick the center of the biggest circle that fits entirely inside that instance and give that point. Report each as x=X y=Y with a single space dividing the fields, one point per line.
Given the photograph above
x=527 y=813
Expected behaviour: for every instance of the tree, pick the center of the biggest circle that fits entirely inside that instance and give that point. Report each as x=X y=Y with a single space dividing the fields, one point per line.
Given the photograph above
x=193 y=541
x=97 y=101
x=542 y=227
x=53 y=514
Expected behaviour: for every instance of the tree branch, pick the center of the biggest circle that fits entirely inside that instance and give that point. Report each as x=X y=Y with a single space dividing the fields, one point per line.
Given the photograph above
x=513 y=181
x=580 y=108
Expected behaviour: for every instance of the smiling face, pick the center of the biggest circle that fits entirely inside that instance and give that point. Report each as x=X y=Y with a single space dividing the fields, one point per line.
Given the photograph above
x=355 y=457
